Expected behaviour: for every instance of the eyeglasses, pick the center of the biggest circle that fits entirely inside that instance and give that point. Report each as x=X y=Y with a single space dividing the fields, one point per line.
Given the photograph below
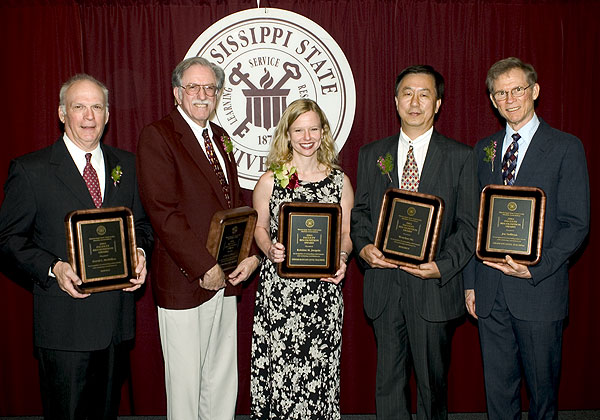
x=517 y=92
x=193 y=89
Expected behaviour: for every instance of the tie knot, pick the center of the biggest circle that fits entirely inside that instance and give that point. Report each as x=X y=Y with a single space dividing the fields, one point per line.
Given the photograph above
x=88 y=157
x=516 y=137
x=205 y=134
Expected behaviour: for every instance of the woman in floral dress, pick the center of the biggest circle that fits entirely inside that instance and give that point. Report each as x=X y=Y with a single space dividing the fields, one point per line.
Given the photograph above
x=297 y=332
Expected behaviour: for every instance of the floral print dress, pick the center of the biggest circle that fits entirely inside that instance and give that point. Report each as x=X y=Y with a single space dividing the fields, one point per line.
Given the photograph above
x=297 y=331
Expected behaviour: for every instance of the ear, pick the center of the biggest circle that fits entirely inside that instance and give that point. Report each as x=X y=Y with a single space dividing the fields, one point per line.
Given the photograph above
x=106 y=119
x=61 y=115
x=438 y=104
x=493 y=101
x=536 y=91
x=176 y=94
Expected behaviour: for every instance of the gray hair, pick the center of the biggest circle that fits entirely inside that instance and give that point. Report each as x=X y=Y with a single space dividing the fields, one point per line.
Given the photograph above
x=78 y=78
x=192 y=61
x=505 y=65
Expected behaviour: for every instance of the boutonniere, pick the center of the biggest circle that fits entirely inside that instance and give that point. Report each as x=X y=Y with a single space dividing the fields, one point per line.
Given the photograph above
x=490 y=152
x=227 y=143
x=115 y=174
x=386 y=165
x=287 y=178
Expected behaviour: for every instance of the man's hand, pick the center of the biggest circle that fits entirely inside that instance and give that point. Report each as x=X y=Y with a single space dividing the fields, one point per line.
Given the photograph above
x=470 y=302
x=374 y=257
x=511 y=268
x=425 y=271
x=243 y=270
x=213 y=279
x=141 y=272
x=67 y=279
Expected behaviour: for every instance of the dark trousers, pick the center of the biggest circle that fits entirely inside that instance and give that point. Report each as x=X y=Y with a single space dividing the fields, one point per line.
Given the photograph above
x=405 y=341
x=78 y=385
x=511 y=347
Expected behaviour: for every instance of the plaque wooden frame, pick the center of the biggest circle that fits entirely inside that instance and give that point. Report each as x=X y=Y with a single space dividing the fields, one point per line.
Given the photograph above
x=226 y=242
x=325 y=265
x=489 y=246
x=413 y=242
x=102 y=262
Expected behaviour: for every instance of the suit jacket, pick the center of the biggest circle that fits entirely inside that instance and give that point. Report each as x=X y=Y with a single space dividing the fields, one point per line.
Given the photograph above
x=449 y=173
x=555 y=162
x=181 y=192
x=42 y=187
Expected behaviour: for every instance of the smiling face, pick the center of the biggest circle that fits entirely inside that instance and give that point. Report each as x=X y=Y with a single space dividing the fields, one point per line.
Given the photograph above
x=84 y=114
x=198 y=107
x=516 y=111
x=417 y=104
x=305 y=134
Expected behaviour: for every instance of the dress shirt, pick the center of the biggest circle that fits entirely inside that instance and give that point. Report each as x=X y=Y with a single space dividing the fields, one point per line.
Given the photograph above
x=97 y=160
x=420 y=146
x=197 y=130
x=526 y=132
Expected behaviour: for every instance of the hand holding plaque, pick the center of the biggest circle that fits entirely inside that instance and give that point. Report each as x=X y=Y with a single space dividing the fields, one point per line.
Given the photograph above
x=230 y=236
x=408 y=227
x=101 y=248
x=311 y=234
x=511 y=222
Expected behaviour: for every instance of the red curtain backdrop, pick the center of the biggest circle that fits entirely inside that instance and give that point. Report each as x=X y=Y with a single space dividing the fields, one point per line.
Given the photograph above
x=133 y=45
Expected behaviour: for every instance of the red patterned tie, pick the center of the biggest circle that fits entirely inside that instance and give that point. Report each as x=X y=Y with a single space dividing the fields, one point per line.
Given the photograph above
x=410 y=173
x=91 y=180
x=210 y=153
x=509 y=162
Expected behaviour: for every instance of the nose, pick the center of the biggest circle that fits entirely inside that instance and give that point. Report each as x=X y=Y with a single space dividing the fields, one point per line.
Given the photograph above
x=88 y=113
x=414 y=100
x=201 y=93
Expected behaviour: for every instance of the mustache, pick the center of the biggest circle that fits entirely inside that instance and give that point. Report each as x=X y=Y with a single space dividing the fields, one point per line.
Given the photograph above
x=201 y=102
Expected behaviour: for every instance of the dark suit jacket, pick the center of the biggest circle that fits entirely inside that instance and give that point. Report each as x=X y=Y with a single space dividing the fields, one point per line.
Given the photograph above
x=42 y=187
x=555 y=162
x=181 y=192
x=449 y=173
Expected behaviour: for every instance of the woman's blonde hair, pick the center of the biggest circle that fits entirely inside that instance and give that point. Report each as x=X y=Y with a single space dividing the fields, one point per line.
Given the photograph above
x=281 y=148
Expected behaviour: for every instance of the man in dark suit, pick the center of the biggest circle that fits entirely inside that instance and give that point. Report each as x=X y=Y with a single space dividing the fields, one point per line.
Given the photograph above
x=520 y=309
x=186 y=175
x=413 y=308
x=80 y=339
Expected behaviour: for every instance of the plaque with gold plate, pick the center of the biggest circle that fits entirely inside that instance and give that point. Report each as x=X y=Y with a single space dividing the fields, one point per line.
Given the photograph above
x=511 y=222
x=409 y=226
x=230 y=236
x=311 y=234
x=101 y=248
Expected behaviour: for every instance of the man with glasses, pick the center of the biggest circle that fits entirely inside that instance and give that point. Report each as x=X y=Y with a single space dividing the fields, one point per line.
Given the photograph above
x=520 y=309
x=186 y=174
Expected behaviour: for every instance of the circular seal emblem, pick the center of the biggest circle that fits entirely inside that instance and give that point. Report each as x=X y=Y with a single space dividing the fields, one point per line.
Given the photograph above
x=272 y=57
x=309 y=223
x=411 y=211
x=512 y=206
x=101 y=230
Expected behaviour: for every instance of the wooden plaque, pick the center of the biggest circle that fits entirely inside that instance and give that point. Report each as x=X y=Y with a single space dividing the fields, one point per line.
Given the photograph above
x=511 y=222
x=230 y=236
x=408 y=227
x=311 y=234
x=101 y=247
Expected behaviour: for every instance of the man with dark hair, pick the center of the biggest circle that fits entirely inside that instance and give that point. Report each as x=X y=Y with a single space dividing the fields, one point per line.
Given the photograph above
x=186 y=175
x=80 y=339
x=520 y=309
x=413 y=309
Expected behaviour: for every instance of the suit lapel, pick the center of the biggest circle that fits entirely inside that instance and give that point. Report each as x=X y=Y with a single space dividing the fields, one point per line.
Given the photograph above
x=111 y=161
x=432 y=164
x=535 y=153
x=190 y=143
x=68 y=174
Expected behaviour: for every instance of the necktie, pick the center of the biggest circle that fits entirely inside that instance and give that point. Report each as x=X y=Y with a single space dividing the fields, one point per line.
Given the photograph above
x=509 y=162
x=91 y=180
x=410 y=172
x=210 y=153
